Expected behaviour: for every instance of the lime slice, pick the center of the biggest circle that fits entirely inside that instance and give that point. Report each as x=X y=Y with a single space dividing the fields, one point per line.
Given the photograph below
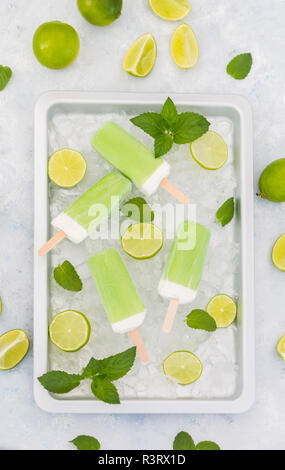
x=69 y=331
x=223 y=309
x=183 y=366
x=0 y=305
x=140 y=58
x=210 y=151
x=184 y=47
x=142 y=241
x=280 y=348
x=14 y=345
x=171 y=10
x=278 y=253
x=66 y=168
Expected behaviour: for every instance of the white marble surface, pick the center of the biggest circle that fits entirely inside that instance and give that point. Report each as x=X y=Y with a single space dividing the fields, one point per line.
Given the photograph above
x=224 y=28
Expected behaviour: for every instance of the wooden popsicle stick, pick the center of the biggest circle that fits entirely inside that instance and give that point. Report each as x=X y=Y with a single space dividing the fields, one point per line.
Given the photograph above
x=170 y=316
x=175 y=192
x=136 y=339
x=51 y=243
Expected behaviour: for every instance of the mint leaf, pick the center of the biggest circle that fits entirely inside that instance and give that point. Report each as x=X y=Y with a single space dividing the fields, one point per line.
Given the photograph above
x=138 y=209
x=240 y=66
x=59 y=382
x=201 y=320
x=104 y=390
x=226 y=212
x=5 y=75
x=115 y=367
x=93 y=368
x=169 y=114
x=207 y=445
x=162 y=145
x=86 y=443
x=183 y=441
x=67 y=277
x=189 y=127
x=151 y=123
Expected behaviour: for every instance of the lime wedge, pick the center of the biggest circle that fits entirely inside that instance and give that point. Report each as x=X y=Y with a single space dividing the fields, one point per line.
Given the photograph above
x=171 y=10
x=66 y=168
x=280 y=348
x=69 y=331
x=278 y=253
x=140 y=58
x=184 y=47
x=210 y=151
x=223 y=309
x=14 y=345
x=142 y=241
x=183 y=366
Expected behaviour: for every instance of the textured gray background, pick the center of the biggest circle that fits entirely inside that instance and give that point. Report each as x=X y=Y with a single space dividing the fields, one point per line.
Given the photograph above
x=223 y=28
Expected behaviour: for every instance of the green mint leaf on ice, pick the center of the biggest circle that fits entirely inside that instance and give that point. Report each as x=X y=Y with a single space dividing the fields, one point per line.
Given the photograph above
x=93 y=368
x=5 y=75
x=115 y=367
x=207 y=445
x=162 y=145
x=59 y=382
x=183 y=441
x=67 y=277
x=226 y=212
x=104 y=390
x=138 y=209
x=86 y=443
x=170 y=127
x=169 y=114
x=101 y=371
x=240 y=66
x=189 y=127
x=151 y=123
x=201 y=320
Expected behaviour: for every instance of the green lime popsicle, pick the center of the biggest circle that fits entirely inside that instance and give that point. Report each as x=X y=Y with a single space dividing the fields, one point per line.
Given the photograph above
x=122 y=303
x=184 y=267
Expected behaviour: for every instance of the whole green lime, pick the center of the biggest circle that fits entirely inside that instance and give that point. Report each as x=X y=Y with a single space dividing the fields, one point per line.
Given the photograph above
x=56 y=44
x=100 y=12
x=272 y=181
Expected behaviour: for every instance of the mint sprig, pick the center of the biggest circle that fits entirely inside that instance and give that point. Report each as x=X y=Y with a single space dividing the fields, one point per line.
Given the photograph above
x=201 y=320
x=5 y=75
x=240 y=66
x=102 y=373
x=169 y=127
x=67 y=277
x=226 y=212
x=86 y=443
x=183 y=441
x=138 y=209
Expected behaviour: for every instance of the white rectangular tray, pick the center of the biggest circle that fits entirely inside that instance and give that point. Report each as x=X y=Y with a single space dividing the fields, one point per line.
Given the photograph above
x=238 y=111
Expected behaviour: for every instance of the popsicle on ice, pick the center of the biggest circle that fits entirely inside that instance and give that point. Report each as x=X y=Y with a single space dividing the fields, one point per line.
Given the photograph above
x=134 y=160
x=89 y=210
x=121 y=301
x=184 y=267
